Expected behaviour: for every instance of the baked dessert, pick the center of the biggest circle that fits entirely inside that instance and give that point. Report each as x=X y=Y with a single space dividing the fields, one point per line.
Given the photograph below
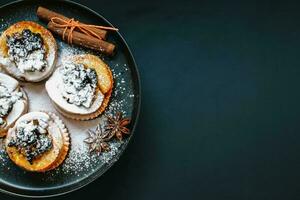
x=28 y=51
x=38 y=142
x=13 y=102
x=81 y=87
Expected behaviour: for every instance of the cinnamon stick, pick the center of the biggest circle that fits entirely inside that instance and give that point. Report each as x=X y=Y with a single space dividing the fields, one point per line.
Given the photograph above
x=84 y=40
x=46 y=15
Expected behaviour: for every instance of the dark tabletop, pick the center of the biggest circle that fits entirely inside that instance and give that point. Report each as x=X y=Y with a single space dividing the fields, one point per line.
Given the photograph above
x=220 y=116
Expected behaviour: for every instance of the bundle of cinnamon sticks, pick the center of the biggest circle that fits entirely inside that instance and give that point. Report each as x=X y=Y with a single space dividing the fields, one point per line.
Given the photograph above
x=78 y=37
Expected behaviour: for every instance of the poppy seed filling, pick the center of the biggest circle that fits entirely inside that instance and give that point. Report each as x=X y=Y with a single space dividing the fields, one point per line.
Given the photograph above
x=79 y=84
x=31 y=139
x=27 y=51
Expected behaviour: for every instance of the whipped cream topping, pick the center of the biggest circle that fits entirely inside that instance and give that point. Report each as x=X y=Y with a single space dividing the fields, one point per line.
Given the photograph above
x=79 y=84
x=7 y=100
x=27 y=51
x=31 y=138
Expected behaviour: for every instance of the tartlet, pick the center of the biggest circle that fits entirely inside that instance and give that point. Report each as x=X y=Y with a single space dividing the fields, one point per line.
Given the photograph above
x=38 y=142
x=13 y=102
x=28 y=51
x=81 y=88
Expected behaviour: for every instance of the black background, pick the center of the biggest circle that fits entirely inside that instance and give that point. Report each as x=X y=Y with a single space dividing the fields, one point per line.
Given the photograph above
x=220 y=101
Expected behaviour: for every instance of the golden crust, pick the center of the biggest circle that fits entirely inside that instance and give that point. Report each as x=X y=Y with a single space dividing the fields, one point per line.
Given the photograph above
x=105 y=84
x=49 y=160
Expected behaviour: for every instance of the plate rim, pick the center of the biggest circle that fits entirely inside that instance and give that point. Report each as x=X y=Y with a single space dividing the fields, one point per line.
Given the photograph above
x=96 y=175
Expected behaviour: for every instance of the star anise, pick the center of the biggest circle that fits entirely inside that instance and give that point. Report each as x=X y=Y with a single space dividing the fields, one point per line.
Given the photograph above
x=97 y=140
x=116 y=126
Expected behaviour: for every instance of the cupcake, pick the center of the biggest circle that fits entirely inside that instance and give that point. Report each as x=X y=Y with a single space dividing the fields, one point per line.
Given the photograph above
x=13 y=102
x=28 y=51
x=81 y=87
x=38 y=142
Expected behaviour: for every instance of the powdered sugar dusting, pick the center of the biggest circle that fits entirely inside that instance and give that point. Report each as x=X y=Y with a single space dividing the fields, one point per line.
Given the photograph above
x=79 y=162
x=107 y=157
x=3 y=156
x=65 y=51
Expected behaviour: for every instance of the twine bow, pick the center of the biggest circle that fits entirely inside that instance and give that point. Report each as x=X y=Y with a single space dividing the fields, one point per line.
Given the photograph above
x=72 y=24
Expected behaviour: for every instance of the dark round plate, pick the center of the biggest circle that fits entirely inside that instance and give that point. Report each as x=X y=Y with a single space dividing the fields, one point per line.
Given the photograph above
x=125 y=98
